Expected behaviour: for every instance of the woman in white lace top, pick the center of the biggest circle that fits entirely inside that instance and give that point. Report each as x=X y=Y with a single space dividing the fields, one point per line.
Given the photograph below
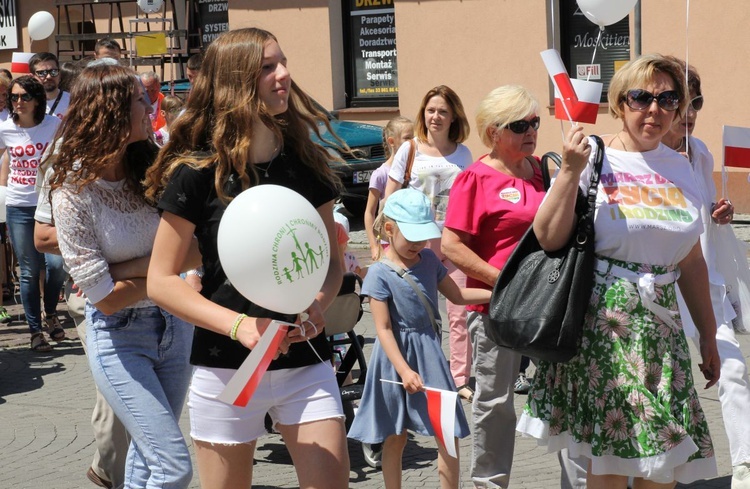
x=138 y=353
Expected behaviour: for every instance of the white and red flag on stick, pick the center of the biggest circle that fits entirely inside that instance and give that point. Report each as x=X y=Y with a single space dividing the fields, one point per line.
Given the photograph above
x=441 y=408
x=736 y=146
x=575 y=100
x=19 y=63
x=243 y=383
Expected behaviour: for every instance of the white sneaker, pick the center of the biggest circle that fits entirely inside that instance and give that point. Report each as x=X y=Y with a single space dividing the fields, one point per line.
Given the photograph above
x=741 y=476
x=522 y=385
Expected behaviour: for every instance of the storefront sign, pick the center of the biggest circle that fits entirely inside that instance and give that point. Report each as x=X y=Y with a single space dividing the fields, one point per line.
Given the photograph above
x=579 y=38
x=214 y=19
x=8 y=20
x=373 y=50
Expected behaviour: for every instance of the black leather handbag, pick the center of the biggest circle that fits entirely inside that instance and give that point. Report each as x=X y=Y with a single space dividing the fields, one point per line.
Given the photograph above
x=540 y=298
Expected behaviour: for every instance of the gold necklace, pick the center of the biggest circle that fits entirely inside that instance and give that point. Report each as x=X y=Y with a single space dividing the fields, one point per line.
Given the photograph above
x=622 y=142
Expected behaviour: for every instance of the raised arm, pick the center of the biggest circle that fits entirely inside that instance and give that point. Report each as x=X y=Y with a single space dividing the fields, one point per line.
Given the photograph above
x=555 y=220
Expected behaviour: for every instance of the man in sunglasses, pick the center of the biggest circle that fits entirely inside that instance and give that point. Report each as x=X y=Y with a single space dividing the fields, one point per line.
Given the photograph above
x=46 y=69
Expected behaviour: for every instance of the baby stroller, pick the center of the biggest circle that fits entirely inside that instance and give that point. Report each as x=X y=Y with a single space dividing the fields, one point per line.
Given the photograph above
x=347 y=347
x=341 y=317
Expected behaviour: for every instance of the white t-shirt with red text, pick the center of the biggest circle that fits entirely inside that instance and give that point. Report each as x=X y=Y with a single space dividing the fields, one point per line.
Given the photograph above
x=26 y=146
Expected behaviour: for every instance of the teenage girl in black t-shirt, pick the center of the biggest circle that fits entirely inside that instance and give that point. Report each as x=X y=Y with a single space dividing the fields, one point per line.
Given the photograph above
x=246 y=123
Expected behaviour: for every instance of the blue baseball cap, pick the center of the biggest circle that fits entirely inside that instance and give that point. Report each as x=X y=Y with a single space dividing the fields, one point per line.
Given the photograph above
x=412 y=212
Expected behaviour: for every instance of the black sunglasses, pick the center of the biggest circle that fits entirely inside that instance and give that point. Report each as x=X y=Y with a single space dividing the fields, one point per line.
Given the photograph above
x=43 y=73
x=520 y=127
x=697 y=103
x=641 y=99
x=26 y=97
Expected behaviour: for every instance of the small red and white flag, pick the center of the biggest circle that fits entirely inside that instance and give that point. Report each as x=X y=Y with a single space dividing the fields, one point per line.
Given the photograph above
x=736 y=146
x=441 y=406
x=20 y=63
x=575 y=100
x=243 y=383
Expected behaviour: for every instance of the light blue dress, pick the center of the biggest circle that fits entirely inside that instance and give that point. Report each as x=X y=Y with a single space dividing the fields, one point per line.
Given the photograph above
x=387 y=409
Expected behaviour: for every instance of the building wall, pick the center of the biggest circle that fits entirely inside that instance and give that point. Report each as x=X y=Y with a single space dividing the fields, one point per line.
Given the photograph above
x=475 y=46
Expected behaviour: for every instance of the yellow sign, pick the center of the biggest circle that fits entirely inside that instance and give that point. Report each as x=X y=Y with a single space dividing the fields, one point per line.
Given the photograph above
x=151 y=44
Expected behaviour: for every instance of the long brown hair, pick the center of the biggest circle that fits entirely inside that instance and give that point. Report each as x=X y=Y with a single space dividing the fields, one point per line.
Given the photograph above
x=216 y=128
x=95 y=132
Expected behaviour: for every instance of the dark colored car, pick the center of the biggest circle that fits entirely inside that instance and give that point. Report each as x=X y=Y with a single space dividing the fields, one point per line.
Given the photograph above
x=365 y=140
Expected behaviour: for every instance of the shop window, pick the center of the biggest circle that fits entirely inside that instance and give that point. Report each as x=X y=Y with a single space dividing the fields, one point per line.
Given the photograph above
x=578 y=38
x=370 y=53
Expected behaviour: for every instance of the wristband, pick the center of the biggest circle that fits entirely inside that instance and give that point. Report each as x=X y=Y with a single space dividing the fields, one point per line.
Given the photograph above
x=195 y=272
x=236 y=326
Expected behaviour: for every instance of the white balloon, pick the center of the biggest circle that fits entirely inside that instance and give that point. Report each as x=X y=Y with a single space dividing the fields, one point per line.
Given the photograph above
x=273 y=246
x=3 y=195
x=606 y=12
x=41 y=25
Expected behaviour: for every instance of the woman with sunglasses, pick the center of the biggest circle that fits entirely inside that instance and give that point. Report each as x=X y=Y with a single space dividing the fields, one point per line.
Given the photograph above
x=734 y=388
x=441 y=127
x=26 y=135
x=627 y=403
x=492 y=204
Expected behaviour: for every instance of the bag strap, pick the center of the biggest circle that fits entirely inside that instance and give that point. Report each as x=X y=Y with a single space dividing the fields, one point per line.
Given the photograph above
x=402 y=273
x=409 y=163
x=545 y=167
x=585 y=228
x=51 y=110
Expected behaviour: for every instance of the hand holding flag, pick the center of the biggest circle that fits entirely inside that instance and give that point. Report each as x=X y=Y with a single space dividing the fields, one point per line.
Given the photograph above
x=441 y=407
x=242 y=385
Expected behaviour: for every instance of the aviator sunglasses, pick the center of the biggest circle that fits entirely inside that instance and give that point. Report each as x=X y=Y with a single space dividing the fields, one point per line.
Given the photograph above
x=26 y=97
x=43 y=73
x=520 y=127
x=641 y=99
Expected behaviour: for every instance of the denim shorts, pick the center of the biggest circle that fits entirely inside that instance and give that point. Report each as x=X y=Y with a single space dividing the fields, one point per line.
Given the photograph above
x=291 y=396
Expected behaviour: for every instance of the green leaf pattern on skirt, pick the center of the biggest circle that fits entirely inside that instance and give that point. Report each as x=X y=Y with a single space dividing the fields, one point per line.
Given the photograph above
x=629 y=392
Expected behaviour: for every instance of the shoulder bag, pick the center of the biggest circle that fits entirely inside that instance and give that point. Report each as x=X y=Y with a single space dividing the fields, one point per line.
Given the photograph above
x=409 y=163
x=540 y=298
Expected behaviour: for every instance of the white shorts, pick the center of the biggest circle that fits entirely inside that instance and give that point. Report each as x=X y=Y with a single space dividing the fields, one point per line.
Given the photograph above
x=291 y=396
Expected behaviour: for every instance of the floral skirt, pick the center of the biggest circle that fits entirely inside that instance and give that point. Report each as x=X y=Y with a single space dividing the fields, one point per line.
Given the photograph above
x=626 y=401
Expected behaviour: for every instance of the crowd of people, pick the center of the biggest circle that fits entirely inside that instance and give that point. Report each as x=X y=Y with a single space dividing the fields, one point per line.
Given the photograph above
x=129 y=229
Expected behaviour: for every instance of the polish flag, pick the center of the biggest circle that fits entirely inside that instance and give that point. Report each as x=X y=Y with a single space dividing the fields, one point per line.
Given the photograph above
x=243 y=383
x=441 y=406
x=736 y=146
x=575 y=100
x=20 y=63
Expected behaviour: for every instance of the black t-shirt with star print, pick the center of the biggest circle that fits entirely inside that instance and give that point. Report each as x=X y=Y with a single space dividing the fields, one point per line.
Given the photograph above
x=191 y=195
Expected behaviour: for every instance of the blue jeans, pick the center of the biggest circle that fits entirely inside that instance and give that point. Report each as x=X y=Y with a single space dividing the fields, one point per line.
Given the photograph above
x=140 y=361
x=20 y=222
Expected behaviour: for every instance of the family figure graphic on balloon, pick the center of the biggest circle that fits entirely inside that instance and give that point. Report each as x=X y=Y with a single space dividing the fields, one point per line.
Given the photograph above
x=308 y=257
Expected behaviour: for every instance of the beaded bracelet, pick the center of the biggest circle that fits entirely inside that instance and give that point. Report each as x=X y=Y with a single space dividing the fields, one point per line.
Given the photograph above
x=236 y=326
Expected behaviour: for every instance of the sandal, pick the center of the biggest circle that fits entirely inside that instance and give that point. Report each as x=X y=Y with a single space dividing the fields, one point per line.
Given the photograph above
x=466 y=392
x=56 y=331
x=38 y=343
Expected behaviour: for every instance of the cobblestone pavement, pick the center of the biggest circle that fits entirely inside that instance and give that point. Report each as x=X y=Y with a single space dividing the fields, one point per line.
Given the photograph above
x=46 y=440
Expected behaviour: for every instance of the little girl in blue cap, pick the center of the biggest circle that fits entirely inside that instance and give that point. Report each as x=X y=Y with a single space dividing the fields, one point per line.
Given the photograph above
x=408 y=348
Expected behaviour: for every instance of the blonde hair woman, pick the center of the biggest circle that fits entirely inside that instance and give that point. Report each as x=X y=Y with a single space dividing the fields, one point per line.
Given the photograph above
x=627 y=401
